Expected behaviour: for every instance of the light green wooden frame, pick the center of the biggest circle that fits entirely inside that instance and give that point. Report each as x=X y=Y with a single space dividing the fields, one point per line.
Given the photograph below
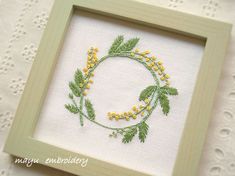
x=216 y=34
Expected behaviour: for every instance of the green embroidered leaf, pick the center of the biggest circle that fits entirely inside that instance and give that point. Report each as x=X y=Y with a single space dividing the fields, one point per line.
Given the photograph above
x=169 y=90
x=128 y=46
x=73 y=109
x=75 y=89
x=90 y=110
x=78 y=77
x=143 y=131
x=129 y=135
x=70 y=96
x=164 y=102
x=117 y=42
x=147 y=92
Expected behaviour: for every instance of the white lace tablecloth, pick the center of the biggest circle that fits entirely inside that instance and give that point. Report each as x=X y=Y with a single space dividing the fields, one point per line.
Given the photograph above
x=21 y=25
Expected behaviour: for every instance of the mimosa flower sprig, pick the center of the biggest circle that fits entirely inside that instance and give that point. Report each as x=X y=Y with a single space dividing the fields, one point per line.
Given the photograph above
x=148 y=98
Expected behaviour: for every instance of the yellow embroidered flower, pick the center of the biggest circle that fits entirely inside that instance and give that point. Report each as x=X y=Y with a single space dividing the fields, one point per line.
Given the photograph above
x=134 y=108
x=110 y=115
x=162 y=78
x=162 y=68
x=159 y=62
x=134 y=116
x=137 y=50
x=130 y=113
x=148 y=108
x=87 y=86
x=89 y=51
x=152 y=64
x=95 y=59
x=167 y=76
x=154 y=58
x=146 y=100
x=117 y=117
x=155 y=68
x=147 y=52
x=85 y=70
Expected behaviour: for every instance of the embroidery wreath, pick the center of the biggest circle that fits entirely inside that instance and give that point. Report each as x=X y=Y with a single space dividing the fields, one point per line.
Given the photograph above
x=148 y=98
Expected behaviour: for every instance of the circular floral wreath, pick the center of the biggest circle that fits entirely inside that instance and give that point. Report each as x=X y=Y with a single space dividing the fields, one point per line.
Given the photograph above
x=148 y=98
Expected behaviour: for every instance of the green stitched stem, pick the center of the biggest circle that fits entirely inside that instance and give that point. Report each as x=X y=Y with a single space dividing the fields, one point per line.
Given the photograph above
x=80 y=112
x=81 y=105
x=122 y=54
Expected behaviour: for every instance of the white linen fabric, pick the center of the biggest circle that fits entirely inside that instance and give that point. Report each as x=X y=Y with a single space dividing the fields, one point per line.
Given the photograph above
x=21 y=26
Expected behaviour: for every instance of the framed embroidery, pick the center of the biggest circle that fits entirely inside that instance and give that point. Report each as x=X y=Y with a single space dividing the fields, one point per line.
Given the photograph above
x=120 y=88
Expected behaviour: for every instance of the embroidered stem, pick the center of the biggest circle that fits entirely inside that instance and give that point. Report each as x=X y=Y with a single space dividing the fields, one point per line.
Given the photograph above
x=80 y=108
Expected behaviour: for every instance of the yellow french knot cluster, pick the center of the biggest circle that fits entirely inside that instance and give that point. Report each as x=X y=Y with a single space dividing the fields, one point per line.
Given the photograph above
x=136 y=110
x=92 y=60
x=153 y=63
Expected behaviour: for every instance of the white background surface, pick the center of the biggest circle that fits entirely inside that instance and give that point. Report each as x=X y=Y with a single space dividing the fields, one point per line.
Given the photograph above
x=117 y=85
x=21 y=26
